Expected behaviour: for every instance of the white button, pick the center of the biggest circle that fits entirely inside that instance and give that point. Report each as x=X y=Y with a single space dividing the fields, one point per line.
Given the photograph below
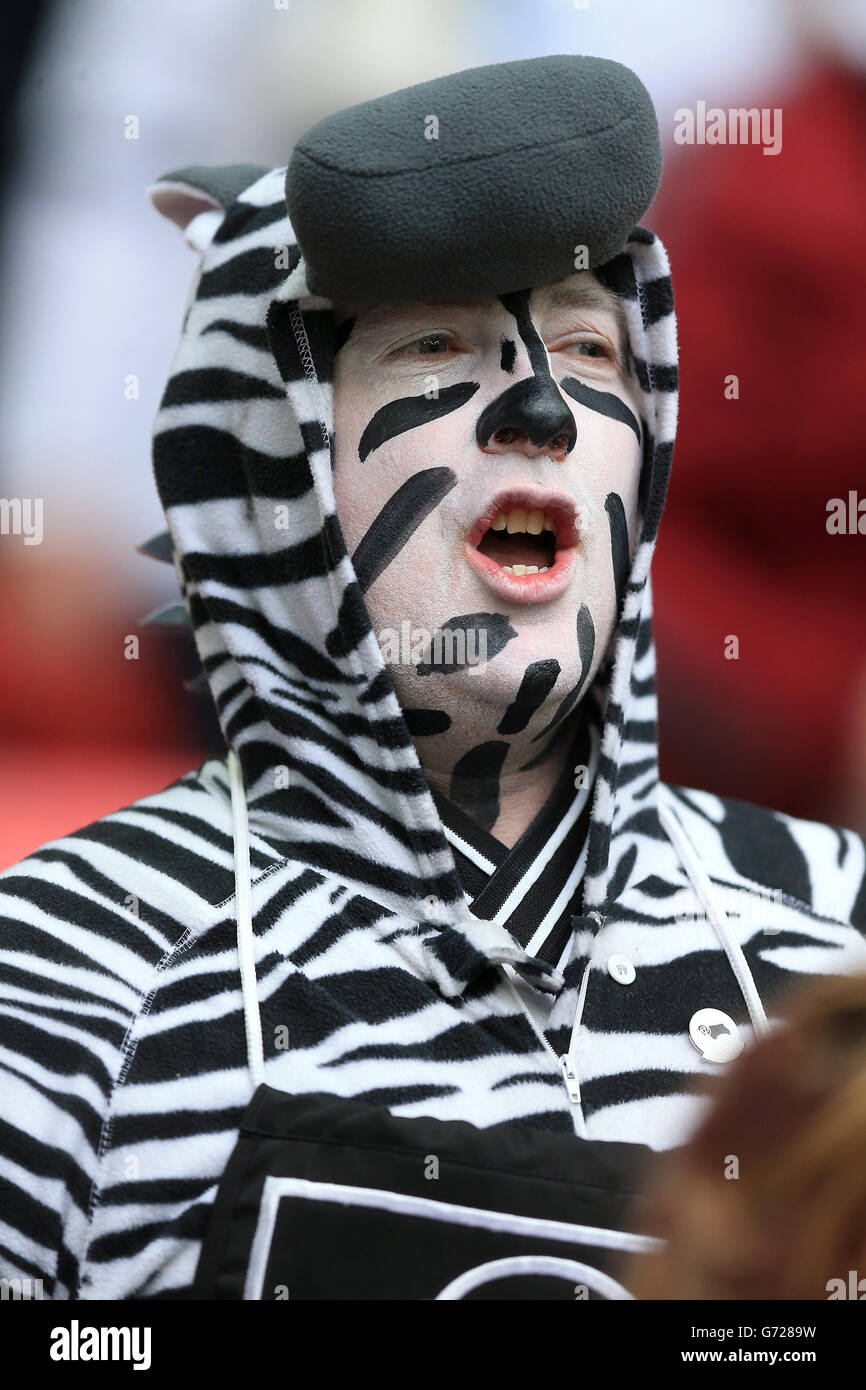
x=620 y=969
x=715 y=1035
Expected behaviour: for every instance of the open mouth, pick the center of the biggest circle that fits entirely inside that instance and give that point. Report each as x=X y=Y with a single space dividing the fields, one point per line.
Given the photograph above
x=525 y=543
x=521 y=541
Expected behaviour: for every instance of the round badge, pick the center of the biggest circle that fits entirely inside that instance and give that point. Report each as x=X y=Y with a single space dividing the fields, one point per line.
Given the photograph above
x=715 y=1035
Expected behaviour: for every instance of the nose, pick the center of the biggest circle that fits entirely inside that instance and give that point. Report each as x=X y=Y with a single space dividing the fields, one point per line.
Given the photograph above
x=531 y=417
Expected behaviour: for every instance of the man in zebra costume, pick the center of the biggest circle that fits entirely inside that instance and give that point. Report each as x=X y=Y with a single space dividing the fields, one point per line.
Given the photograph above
x=403 y=997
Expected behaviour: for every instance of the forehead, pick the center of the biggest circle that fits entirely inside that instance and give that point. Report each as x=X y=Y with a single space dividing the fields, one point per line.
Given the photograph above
x=580 y=293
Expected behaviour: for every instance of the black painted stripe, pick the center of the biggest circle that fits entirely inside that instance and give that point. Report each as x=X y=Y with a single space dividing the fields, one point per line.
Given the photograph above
x=407 y=413
x=602 y=402
x=586 y=648
x=533 y=405
x=400 y=517
x=475 y=782
x=497 y=632
x=619 y=552
x=539 y=678
x=422 y=723
x=518 y=305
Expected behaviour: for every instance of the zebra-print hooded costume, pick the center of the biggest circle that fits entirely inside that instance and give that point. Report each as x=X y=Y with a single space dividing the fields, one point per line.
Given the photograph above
x=129 y=1049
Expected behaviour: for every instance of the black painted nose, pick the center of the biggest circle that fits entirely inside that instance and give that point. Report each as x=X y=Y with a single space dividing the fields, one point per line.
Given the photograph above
x=530 y=411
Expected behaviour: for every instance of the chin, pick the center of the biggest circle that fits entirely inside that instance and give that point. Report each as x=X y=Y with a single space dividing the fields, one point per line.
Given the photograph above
x=496 y=685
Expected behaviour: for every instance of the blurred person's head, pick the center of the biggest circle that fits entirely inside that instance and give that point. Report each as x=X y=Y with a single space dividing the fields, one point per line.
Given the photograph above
x=768 y=1200
x=836 y=27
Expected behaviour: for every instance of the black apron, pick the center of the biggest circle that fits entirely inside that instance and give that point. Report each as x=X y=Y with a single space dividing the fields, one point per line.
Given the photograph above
x=327 y=1198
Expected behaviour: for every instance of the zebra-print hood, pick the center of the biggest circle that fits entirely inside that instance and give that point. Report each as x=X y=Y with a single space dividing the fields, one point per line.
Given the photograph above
x=242 y=457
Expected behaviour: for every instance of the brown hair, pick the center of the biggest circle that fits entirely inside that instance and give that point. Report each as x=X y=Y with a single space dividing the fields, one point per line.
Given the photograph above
x=768 y=1200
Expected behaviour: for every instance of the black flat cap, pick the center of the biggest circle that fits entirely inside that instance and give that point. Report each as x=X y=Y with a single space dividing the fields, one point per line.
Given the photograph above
x=479 y=183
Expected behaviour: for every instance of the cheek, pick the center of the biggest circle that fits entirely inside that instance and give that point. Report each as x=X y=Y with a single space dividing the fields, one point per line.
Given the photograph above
x=609 y=462
x=367 y=489
x=374 y=490
x=400 y=503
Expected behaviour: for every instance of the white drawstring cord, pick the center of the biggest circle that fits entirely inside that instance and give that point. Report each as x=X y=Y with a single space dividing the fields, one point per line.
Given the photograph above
x=244 y=918
x=709 y=902
x=246 y=942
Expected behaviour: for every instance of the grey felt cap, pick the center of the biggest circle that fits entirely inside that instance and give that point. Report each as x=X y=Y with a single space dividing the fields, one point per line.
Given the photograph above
x=482 y=182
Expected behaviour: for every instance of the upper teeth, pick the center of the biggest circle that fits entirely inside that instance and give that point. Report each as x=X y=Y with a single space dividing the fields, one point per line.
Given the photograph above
x=519 y=519
x=525 y=569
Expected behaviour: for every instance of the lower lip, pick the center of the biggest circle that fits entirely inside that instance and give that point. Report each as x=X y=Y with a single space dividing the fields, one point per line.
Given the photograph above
x=525 y=588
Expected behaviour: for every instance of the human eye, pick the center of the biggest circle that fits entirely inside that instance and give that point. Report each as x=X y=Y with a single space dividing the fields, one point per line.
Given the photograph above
x=432 y=344
x=437 y=344
x=593 y=351
x=591 y=347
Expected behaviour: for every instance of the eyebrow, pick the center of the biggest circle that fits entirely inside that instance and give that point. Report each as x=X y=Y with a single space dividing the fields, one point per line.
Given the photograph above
x=590 y=295
x=370 y=318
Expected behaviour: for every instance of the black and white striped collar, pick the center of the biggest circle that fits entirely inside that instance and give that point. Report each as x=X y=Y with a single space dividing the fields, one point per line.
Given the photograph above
x=534 y=888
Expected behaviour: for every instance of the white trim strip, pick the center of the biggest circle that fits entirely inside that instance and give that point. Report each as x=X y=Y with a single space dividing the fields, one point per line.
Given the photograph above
x=552 y=916
x=403 y=1204
x=469 y=851
x=554 y=1266
x=244 y=918
x=519 y=891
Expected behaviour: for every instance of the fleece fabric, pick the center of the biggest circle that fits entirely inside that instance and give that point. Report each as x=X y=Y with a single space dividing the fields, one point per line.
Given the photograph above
x=478 y=183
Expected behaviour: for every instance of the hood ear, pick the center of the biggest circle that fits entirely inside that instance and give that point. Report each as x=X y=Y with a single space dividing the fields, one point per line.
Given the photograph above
x=197 y=213
x=180 y=202
x=196 y=198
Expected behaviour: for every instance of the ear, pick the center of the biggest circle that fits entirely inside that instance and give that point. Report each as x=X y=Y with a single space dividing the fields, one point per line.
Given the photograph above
x=197 y=213
x=196 y=198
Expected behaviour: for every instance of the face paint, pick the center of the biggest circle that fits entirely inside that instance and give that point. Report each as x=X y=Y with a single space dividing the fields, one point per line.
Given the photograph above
x=473 y=638
x=407 y=414
x=535 y=471
x=538 y=680
x=602 y=401
x=518 y=305
x=534 y=406
x=619 y=549
x=586 y=648
x=423 y=723
x=475 y=782
x=400 y=517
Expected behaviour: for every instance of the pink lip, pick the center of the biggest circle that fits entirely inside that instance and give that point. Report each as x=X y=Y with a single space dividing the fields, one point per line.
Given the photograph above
x=528 y=588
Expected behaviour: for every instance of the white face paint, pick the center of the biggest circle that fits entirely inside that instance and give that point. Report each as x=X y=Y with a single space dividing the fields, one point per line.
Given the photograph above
x=463 y=407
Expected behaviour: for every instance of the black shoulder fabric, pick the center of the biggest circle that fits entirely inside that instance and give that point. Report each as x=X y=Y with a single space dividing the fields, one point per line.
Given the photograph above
x=222 y=181
x=479 y=183
x=761 y=847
